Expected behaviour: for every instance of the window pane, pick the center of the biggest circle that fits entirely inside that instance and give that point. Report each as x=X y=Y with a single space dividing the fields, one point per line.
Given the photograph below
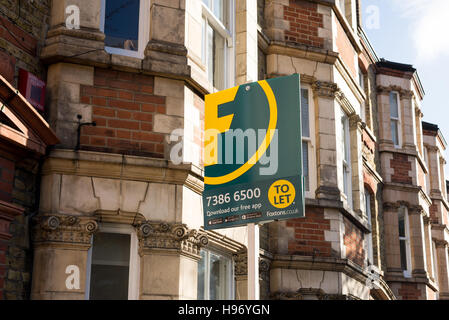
x=218 y=10
x=368 y=205
x=394 y=113
x=219 y=60
x=305 y=112
x=345 y=181
x=401 y=224
x=305 y=164
x=201 y=276
x=345 y=137
x=361 y=80
x=210 y=52
x=402 y=246
x=110 y=266
x=121 y=25
x=394 y=132
x=218 y=279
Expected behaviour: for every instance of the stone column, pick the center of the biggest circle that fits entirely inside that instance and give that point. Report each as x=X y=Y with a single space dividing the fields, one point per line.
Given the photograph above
x=241 y=275
x=417 y=245
x=61 y=243
x=383 y=102
x=432 y=152
x=86 y=42
x=327 y=182
x=169 y=260
x=442 y=268
x=166 y=52
x=246 y=41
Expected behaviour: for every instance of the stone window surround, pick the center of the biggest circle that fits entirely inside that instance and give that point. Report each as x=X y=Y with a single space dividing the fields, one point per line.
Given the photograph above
x=134 y=259
x=230 y=282
x=144 y=30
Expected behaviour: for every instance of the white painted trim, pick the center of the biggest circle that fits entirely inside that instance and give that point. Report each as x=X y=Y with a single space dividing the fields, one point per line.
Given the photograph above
x=228 y=34
x=230 y=295
x=144 y=30
x=311 y=143
x=408 y=254
x=253 y=262
x=398 y=119
x=134 y=258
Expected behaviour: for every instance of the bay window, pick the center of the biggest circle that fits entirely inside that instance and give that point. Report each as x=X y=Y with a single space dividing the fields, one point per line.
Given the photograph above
x=125 y=24
x=217 y=42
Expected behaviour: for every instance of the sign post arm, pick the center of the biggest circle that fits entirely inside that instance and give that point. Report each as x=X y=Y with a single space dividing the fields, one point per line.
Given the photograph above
x=253 y=261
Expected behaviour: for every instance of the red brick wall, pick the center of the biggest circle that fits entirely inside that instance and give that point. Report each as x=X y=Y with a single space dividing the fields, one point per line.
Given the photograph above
x=433 y=210
x=369 y=182
x=346 y=49
x=309 y=234
x=353 y=241
x=6 y=179
x=304 y=23
x=123 y=106
x=401 y=166
x=409 y=291
x=21 y=34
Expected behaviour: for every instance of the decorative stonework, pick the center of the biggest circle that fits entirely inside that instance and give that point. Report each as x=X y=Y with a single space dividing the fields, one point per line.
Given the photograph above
x=404 y=94
x=441 y=244
x=345 y=104
x=389 y=206
x=310 y=293
x=355 y=122
x=324 y=89
x=64 y=229
x=170 y=236
x=241 y=263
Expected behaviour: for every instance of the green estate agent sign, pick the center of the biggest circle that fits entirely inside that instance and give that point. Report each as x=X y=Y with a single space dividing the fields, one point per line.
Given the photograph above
x=252 y=154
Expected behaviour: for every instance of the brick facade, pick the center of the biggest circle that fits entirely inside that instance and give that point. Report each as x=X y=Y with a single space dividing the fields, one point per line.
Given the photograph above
x=304 y=21
x=309 y=237
x=123 y=107
x=402 y=167
x=409 y=291
x=353 y=241
x=23 y=26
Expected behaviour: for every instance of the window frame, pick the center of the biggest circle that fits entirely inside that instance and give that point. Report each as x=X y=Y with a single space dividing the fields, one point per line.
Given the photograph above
x=134 y=258
x=426 y=161
x=369 y=242
x=346 y=157
x=397 y=120
x=229 y=37
x=229 y=275
x=408 y=255
x=310 y=140
x=144 y=31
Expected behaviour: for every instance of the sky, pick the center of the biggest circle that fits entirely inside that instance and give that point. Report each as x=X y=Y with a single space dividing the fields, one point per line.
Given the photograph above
x=415 y=32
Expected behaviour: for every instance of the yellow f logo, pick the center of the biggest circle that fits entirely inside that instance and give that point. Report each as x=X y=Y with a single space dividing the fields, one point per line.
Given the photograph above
x=215 y=125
